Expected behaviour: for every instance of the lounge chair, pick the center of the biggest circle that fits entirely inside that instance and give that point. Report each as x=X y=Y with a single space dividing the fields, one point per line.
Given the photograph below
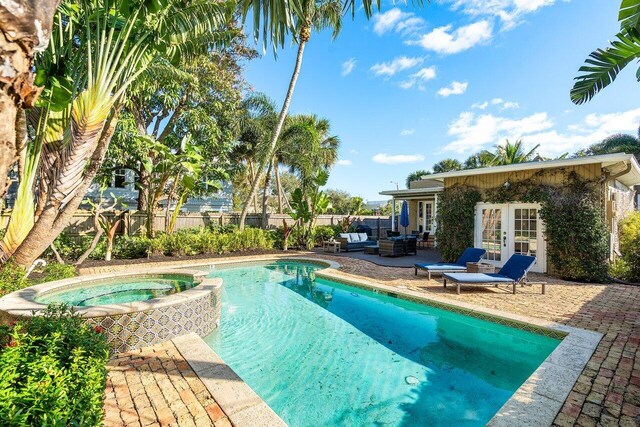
x=460 y=266
x=514 y=272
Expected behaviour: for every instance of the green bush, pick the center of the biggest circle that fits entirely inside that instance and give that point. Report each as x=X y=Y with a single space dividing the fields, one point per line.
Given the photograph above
x=629 y=229
x=69 y=248
x=577 y=237
x=456 y=214
x=12 y=278
x=324 y=232
x=205 y=241
x=54 y=271
x=52 y=371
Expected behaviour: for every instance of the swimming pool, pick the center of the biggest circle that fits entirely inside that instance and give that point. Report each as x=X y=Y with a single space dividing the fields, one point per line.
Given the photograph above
x=323 y=353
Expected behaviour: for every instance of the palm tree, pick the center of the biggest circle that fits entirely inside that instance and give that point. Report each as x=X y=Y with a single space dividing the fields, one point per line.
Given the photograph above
x=447 y=165
x=618 y=143
x=300 y=18
x=603 y=65
x=483 y=159
x=26 y=28
x=310 y=146
x=511 y=153
x=98 y=49
x=416 y=176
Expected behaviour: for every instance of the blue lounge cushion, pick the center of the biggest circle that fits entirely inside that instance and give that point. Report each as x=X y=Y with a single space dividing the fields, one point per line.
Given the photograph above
x=471 y=255
x=517 y=266
x=478 y=278
x=441 y=266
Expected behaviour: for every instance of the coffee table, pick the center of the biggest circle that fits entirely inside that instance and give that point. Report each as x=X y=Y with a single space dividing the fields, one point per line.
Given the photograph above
x=372 y=250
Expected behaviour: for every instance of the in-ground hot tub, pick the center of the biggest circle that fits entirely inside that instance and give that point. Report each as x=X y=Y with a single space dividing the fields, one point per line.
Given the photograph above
x=134 y=309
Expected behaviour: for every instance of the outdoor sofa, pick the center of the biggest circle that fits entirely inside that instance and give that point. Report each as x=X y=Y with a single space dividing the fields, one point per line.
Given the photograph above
x=355 y=241
x=460 y=266
x=514 y=272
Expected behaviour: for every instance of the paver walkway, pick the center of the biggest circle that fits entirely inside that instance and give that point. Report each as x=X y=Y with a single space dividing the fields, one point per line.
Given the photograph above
x=607 y=393
x=155 y=386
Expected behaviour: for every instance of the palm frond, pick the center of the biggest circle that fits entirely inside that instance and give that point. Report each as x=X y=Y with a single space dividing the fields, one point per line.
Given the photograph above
x=604 y=66
x=629 y=15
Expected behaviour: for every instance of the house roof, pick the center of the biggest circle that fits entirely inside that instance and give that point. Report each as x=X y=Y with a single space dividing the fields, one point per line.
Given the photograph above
x=412 y=192
x=630 y=178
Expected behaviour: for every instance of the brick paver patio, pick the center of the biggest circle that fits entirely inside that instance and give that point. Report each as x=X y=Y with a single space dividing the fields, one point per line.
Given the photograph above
x=155 y=386
x=607 y=393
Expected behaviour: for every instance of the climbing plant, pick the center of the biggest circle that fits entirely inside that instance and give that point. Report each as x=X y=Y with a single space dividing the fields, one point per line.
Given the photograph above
x=575 y=228
x=455 y=219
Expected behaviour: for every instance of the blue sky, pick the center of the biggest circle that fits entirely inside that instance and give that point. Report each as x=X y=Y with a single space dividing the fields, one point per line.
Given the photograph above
x=414 y=86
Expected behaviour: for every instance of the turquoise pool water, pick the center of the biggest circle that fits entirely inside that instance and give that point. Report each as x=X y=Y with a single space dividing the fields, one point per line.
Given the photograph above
x=324 y=354
x=117 y=291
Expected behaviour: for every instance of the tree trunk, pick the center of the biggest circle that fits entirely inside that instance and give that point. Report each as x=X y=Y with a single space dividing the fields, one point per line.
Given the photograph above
x=255 y=196
x=276 y=132
x=143 y=189
x=25 y=28
x=265 y=197
x=276 y=171
x=54 y=219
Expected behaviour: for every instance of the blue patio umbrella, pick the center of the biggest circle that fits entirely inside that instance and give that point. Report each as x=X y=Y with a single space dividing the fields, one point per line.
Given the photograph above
x=404 y=216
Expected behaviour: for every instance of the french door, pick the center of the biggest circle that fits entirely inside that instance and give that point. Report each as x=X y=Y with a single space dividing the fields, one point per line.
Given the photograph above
x=507 y=229
x=425 y=216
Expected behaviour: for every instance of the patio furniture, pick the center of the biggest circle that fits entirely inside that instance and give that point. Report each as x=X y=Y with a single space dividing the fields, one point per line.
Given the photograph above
x=460 y=266
x=391 y=234
x=514 y=272
x=478 y=267
x=355 y=241
x=331 y=246
x=398 y=246
x=423 y=242
x=372 y=250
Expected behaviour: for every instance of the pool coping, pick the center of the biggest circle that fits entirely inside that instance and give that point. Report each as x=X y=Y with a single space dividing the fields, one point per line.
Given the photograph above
x=238 y=401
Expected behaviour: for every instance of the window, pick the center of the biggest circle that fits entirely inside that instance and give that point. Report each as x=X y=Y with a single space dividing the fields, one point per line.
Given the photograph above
x=120 y=178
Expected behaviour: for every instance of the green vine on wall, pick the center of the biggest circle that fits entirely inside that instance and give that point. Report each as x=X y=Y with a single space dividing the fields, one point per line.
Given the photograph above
x=455 y=218
x=575 y=229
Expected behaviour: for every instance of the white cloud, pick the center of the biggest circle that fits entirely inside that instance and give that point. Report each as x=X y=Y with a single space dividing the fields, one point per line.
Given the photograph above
x=398 y=64
x=504 y=105
x=473 y=132
x=445 y=40
x=509 y=12
x=455 y=88
x=348 y=66
x=421 y=76
x=396 y=159
x=407 y=132
x=480 y=106
x=344 y=162
x=396 y=20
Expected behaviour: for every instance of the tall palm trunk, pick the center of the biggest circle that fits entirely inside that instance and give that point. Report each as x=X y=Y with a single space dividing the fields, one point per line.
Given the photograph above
x=25 y=28
x=304 y=38
x=276 y=171
x=251 y=177
x=265 y=196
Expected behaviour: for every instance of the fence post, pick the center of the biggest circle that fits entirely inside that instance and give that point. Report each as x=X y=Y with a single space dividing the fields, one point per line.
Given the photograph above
x=378 y=228
x=126 y=220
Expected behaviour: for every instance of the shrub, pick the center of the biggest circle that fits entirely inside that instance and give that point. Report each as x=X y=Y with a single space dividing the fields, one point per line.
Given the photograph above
x=629 y=229
x=54 y=271
x=456 y=214
x=324 y=232
x=52 y=371
x=69 y=248
x=206 y=241
x=12 y=278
